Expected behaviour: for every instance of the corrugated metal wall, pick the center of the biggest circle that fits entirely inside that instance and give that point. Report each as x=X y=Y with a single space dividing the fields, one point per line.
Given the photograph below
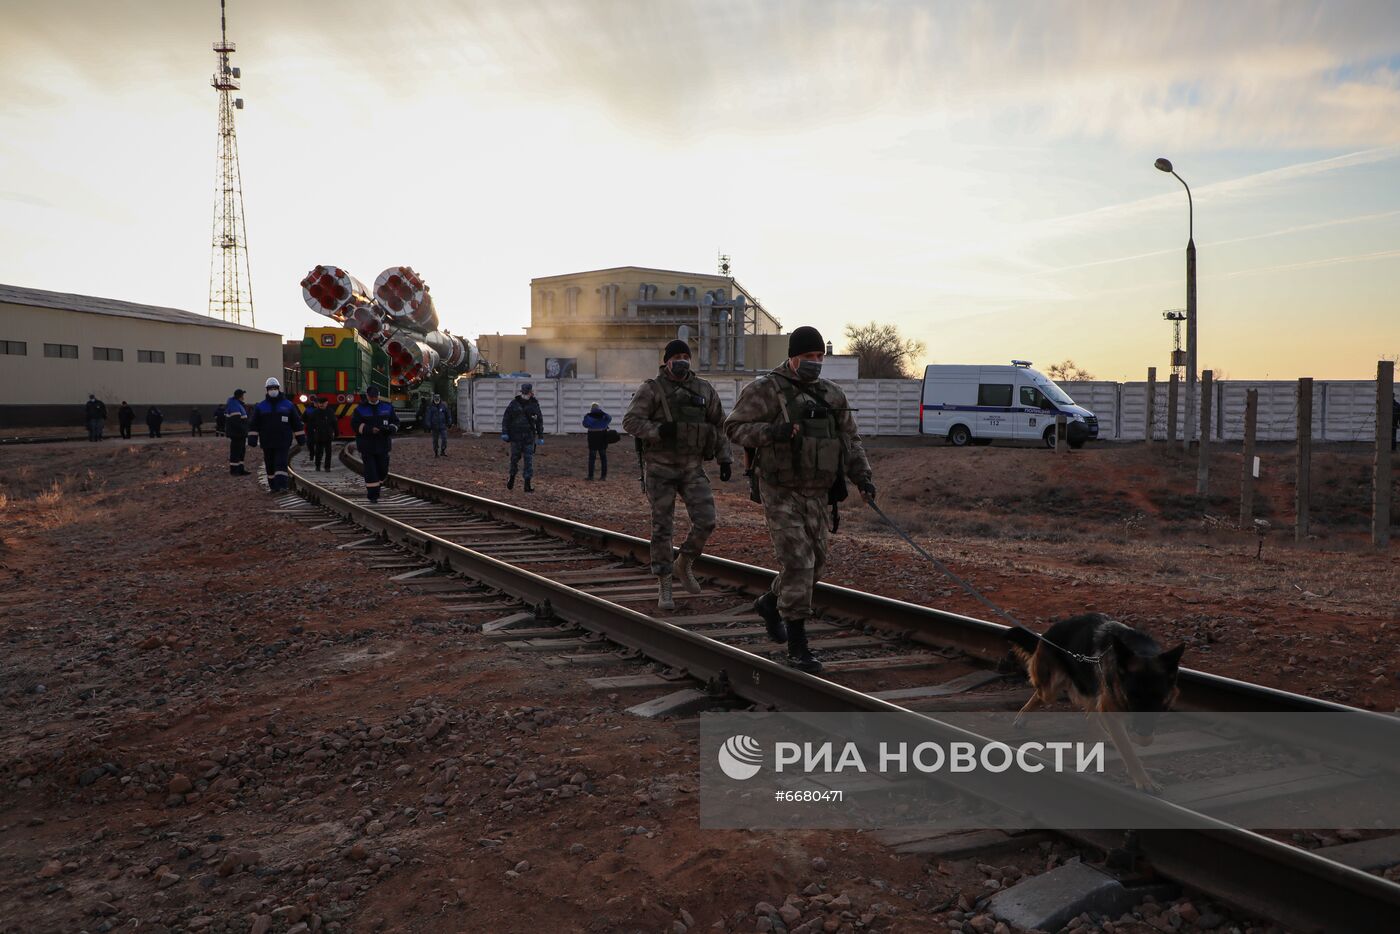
x=1343 y=410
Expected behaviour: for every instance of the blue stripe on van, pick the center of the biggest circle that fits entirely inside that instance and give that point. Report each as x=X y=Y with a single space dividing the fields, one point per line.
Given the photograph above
x=981 y=408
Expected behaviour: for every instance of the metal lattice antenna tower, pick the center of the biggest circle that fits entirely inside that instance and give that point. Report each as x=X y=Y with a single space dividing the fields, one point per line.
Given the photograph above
x=230 y=285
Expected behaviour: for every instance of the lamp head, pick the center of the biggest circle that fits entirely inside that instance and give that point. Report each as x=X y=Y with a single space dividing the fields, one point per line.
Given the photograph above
x=1164 y=165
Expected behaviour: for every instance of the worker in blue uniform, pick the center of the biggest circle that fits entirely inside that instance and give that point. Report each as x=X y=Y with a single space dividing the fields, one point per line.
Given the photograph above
x=236 y=427
x=374 y=424
x=437 y=417
x=274 y=424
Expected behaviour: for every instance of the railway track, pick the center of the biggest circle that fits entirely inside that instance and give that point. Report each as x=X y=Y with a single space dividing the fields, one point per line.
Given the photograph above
x=594 y=603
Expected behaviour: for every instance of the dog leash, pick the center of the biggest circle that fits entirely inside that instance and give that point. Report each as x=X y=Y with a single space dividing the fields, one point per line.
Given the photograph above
x=948 y=572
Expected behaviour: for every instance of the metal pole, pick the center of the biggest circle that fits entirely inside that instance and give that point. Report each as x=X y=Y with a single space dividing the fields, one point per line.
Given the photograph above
x=1303 y=487
x=1186 y=436
x=1251 y=418
x=1385 y=433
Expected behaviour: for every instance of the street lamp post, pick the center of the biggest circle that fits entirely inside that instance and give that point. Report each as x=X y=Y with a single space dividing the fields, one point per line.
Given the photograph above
x=1188 y=435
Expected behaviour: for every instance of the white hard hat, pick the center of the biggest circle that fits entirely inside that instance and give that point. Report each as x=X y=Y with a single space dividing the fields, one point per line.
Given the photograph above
x=272 y=383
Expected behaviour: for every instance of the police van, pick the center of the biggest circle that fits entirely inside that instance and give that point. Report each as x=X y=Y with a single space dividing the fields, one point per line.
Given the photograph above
x=981 y=404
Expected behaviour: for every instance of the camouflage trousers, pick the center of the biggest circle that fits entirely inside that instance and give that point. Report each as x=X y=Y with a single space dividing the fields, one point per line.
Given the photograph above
x=694 y=489
x=797 y=523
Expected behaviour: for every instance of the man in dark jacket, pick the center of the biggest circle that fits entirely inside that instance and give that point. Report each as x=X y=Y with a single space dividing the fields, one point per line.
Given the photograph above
x=597 y=422
x=322 y=426
x=437 y=418
x=125 y=416
x=219 y=419
x=95 y=417
x=523 y=426
x=236 y=425
x=154 y=417
x=374 y=424
x=196 y=423
x=274 y=424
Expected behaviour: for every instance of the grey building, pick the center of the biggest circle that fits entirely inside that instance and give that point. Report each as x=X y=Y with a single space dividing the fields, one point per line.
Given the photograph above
x=56 y=348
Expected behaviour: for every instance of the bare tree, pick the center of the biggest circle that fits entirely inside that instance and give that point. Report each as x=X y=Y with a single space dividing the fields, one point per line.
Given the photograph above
x=1067 y=371
x=883 y=352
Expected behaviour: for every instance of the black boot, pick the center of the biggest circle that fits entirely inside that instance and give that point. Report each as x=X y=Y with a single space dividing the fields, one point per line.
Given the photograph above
x=766 y=606
x=528 y=488
x=799 y=655
x=510 y=482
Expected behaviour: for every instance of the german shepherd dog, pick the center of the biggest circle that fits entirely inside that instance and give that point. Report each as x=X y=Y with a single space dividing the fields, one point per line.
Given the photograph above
x=1121 y=670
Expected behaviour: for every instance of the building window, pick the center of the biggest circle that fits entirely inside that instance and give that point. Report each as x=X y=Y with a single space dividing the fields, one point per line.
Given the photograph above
x=16 y=348
x=221 y=360
x=150 y=356
x=522 y=351
x=252 y=363
x=187 y=359
x=110 y=354
x=66 y=351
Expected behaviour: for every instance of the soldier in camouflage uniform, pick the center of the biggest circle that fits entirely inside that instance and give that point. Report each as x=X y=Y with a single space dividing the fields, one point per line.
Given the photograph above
x=803 y=435
x=679 y=419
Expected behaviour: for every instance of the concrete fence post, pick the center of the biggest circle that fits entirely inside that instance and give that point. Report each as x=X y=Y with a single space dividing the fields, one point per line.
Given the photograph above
x=1203 y=464
x=1251 y=420
x=1303 y=488
x=1385 y=435
x=1172 y=385
x=1151 y=403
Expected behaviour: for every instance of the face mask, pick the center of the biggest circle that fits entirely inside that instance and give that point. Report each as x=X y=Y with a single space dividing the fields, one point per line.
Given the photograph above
x=679 y=367
x=809 y=370
x=274 y=393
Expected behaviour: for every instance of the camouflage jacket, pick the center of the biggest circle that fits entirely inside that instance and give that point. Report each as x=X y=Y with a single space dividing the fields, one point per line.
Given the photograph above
x=827 y=444
x=694 y=406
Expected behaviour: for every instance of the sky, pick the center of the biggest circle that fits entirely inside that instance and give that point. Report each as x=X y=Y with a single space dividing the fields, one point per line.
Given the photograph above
x=979 y=174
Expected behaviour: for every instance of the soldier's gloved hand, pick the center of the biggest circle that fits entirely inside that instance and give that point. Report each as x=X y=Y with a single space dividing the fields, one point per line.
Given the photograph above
x=504 y=436
x=784 y=431
x=301 y=440
x=867 y=490
x=726 y=470
x=539 y=442
x=252 y=441
x=667 y=431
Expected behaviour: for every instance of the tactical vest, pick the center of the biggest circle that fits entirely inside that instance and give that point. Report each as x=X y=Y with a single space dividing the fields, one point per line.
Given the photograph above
x=688 y=409
x=814 y=456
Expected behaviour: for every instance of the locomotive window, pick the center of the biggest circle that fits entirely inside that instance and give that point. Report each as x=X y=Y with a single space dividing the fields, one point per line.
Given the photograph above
x=252 y=363
x=150 y=356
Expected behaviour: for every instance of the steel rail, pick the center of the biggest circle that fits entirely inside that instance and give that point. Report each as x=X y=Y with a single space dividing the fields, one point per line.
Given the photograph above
x=1289 y=885
x=984 y=639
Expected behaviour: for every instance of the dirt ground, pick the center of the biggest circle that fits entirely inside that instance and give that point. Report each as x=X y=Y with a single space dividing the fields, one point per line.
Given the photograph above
x=212 y=720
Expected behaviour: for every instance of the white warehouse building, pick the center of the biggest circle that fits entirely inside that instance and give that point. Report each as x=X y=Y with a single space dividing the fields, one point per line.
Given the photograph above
x=57 y=348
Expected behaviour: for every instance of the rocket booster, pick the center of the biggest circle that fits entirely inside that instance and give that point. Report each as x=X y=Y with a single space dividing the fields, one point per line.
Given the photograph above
x=398 y=315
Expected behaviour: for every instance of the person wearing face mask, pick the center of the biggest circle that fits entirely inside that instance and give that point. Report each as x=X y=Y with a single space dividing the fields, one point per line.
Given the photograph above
x=805 y=439
x=522 y=426
x=374 y=423
x=678 y=418
x=438 y=418
x=273 y=424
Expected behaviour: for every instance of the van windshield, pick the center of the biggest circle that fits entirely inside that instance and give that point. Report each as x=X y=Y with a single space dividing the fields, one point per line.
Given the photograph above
x=1056 y=394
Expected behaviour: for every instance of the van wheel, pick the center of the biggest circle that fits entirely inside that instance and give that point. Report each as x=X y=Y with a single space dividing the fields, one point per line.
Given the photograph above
x=1050 y=437
x=959 y=436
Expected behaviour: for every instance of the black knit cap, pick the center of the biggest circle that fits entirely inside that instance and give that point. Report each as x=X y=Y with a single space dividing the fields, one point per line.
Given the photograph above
x=805 y=340
x=676 y=346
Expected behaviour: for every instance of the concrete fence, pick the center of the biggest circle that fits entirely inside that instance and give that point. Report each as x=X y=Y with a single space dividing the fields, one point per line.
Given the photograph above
x=1343 y=410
